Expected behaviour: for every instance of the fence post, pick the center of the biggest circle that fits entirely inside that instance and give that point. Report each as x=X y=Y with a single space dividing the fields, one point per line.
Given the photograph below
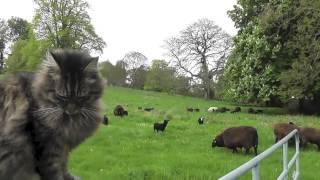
x=256 y=172
x=297 y=173
x=285 y=159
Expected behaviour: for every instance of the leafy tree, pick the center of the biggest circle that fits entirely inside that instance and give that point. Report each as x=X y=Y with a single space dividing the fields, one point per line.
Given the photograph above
x=66 y=24
x=10 y=31
x=18 y=28
x=246 y=11
x=302 y=78
x=276 y=54
x=160 y=77
x=200 y=51
x=250 y=71
x=114 y=74
x=120 y=74
x=138 y=77
x=254 y=66
x=27 y=54
x=105 y=68
x=181 y=85
x=220 y=87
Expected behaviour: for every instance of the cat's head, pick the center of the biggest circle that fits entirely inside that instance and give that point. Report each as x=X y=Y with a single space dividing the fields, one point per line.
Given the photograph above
x=68 y=82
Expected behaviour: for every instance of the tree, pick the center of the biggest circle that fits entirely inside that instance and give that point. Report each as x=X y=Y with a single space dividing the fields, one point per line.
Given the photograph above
x=250 y=69
x=26 y=53
x=276 y=55
x=134 y=60
x=200 y=51
x=135 y=66
x=119 y=74
x=253 y=68
x=4 y=30
x=105 y=69
x=114 y=74
x=138 y=77
x=18 y=28
x=66 y=24
x=301 y=80
x=160 y=77
x=181 y=85
x=246 y=11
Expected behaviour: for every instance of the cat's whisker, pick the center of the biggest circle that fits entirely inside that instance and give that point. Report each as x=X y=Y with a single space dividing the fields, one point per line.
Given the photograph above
x=90 y=113
x=84 y=114
x=90 y=108
x=47 y=112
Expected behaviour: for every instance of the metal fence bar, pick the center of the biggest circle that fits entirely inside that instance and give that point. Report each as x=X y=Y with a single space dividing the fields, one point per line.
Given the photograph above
x=285 y=161
x=284 y=173
x=256 y=160
x=256 y=172
x=293 y=160
x=296 y=174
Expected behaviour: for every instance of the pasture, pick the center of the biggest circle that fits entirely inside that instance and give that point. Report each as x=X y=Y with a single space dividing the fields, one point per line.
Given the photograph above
x=129 y=149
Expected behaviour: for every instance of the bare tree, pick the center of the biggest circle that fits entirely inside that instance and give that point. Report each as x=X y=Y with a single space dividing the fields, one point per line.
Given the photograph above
x=135 y=62
x=200 y=51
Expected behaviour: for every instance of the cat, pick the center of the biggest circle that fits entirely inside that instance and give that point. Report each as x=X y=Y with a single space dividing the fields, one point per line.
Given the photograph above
x=43 y=116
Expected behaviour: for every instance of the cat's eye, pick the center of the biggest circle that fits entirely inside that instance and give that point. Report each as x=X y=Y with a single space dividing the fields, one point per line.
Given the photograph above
x=91 y=78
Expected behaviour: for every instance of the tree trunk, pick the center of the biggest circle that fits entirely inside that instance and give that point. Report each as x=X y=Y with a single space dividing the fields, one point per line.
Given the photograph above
x=1 y=60
x=206 y=79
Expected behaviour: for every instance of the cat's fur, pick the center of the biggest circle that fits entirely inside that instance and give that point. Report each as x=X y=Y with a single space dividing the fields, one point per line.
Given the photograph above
x=43 y=116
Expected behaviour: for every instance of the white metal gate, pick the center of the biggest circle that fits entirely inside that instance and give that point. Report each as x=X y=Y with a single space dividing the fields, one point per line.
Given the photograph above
x=253 y=164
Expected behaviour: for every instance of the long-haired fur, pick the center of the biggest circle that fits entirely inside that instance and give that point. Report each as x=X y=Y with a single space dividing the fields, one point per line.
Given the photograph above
x=59 y=108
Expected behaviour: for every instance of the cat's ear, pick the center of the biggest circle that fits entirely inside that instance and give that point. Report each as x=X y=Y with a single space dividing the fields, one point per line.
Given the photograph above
x=93 y=64
x=51 y=60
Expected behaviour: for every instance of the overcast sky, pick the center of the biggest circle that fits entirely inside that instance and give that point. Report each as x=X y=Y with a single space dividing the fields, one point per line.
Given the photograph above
x=138 y=25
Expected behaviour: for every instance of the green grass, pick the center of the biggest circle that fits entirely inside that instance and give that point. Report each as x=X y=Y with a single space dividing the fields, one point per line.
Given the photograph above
x=2 y=76
x=129 y=149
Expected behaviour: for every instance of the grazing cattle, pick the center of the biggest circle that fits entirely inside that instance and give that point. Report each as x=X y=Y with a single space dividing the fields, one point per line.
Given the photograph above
x=237 y=109
x=310 y=135
x=238 y=137
x=160 y=126
x=196 y=110
x=119 y=111
x=201 y=120
x=281 y=130
x=105 y=120
x=149 y=109
x=212 y=109
x=190 y=109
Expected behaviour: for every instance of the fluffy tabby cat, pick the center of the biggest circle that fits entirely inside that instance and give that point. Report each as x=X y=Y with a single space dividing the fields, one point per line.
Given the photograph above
x=43 y=116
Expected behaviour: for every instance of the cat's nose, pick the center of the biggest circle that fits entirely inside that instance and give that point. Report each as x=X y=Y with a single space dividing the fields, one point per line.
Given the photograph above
x=71 y=109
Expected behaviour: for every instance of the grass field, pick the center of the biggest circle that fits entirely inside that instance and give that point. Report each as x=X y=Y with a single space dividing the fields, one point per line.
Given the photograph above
x=129 y=149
